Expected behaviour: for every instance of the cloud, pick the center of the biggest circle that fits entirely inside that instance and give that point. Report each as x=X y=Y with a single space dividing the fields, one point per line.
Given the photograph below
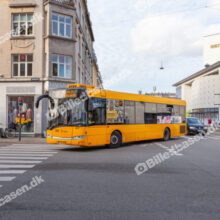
x=170 y=35
x=130 y=46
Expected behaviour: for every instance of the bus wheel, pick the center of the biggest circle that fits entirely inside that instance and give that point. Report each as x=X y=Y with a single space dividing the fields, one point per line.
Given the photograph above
x=166 y=135
x=116 y=140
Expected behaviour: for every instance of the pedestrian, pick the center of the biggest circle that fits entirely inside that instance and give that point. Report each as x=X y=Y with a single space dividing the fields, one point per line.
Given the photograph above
x=209 y=121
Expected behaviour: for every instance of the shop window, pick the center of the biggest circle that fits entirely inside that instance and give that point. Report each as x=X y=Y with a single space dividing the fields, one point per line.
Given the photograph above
x=115 y=111
x=129 y=112
x=27 y=116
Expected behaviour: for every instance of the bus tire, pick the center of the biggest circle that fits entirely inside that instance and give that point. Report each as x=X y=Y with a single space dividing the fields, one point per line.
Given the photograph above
x=166 y=135
x=116 y=140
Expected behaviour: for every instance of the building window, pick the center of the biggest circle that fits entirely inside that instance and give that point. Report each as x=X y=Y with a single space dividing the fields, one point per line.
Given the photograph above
x=61 y=25
x=22 y=65
x=179 y=92
x=62 y=66
x=22 y=24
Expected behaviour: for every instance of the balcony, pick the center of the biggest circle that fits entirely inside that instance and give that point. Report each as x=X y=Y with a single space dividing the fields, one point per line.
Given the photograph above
x=62 y=2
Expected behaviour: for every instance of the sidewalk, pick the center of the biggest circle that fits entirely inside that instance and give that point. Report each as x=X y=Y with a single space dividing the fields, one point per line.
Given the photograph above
x=24 y=140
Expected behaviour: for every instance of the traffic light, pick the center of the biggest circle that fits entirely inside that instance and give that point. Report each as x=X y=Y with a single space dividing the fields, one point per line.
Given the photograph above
x=20 y=101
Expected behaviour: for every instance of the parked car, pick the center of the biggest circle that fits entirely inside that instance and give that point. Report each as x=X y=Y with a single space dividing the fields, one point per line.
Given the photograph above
x=194 y=126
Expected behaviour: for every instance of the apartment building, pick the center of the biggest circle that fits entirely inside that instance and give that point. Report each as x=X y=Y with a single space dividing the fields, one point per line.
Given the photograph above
x=44 y=45
x=97 y=78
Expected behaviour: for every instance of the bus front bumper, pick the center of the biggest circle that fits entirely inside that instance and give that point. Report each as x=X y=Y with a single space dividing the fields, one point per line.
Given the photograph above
x=77 y=140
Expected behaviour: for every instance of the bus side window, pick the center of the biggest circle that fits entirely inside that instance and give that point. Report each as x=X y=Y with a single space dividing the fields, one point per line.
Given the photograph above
x=115 y=111
x=139 y=112
x=150 y=113
x=183 y=113
x=129 y=112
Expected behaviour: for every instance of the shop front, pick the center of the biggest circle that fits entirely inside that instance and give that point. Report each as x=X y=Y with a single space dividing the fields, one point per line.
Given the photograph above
x=204 y=114
x=27 y=113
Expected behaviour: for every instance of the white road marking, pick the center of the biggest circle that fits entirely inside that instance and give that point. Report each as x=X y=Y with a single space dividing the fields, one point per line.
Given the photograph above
x=7 y=178
x=185 y=137
x=25 y=158
x=169 y=149
x=20 y=161
x=17 y=159
x=23 y=154
x=12 y=171
x=27 y=151
x=40 y=145
x=16 y=166
x=214 y=138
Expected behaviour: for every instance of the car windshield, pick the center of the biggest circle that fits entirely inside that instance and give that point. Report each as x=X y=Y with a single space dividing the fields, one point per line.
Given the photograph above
x=194 y=121
x=68 y=112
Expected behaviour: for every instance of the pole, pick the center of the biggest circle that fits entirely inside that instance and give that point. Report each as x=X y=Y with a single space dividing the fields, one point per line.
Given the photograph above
x=20 y=109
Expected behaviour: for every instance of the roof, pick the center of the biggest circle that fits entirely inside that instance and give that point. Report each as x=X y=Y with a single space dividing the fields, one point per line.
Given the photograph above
x=201 y=72
x=89 y=20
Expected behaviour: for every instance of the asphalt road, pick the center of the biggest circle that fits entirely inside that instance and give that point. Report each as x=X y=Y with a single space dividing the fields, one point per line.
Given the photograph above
x=100 y=183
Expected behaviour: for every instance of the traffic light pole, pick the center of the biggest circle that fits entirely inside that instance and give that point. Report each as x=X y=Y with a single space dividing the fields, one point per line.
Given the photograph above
x=19 y=135
x=20 y=104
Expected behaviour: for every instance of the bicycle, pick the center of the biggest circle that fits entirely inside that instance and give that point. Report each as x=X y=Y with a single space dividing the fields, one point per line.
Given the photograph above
x=12 y=131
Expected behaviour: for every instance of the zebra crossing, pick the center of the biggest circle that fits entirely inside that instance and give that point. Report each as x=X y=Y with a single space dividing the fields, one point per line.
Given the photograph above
x=18 y=159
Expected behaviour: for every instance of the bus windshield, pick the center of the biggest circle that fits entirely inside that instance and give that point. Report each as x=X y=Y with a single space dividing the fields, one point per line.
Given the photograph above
x=69 y=112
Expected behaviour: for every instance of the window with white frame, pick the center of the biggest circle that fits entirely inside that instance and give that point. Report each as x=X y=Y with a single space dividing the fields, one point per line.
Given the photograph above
x=61 y=25
x=22 y=24
x=22 y=65
x=62 y=66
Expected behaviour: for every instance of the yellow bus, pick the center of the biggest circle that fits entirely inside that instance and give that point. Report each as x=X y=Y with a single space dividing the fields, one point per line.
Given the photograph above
x=85 y=116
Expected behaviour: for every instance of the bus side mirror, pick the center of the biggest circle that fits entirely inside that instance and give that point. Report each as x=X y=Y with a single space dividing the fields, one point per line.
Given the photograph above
x=43 y=97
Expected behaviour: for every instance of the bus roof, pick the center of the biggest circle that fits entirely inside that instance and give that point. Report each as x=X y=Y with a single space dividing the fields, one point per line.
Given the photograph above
x=100 y=93
x=134 y=97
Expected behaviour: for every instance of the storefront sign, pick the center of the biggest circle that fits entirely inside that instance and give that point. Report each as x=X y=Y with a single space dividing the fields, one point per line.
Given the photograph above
x=215 y=46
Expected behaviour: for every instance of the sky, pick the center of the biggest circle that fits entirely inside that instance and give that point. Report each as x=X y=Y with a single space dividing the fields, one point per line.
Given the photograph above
x=133 y=38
